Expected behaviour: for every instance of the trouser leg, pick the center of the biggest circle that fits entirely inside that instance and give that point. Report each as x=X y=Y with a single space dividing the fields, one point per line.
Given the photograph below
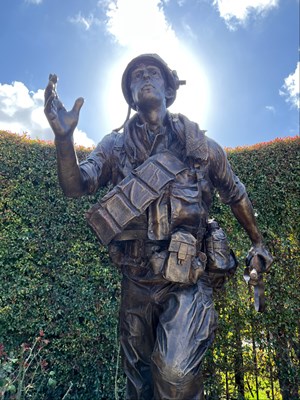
x=138 y=321
x=178 y=323
x=185 y=331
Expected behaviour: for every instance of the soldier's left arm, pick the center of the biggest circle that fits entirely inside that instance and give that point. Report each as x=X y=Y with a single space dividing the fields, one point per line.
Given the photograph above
x=243 y=211
x=233 y=193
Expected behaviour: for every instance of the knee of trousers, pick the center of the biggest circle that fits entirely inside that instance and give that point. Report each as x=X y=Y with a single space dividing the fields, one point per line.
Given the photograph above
x=170 y=371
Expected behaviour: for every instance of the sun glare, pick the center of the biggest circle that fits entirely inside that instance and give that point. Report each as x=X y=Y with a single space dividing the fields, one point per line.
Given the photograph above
x=192 y=99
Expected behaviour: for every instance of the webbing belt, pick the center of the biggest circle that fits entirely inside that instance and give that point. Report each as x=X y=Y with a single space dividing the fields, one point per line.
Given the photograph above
x=133 y=195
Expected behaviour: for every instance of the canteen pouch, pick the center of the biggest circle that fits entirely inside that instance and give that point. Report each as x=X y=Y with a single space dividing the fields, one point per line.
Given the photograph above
x=221 y=260
x=182 y=265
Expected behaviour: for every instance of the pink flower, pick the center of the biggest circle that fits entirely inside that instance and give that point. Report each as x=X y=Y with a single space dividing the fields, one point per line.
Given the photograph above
x=44 y=364
x=2 y=351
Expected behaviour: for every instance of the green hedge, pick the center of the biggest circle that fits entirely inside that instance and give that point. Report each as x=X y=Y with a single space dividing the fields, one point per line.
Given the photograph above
x=59 y=291
x=265 y=346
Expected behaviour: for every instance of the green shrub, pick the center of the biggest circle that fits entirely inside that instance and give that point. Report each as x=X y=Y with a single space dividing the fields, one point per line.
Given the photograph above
x=56 y=278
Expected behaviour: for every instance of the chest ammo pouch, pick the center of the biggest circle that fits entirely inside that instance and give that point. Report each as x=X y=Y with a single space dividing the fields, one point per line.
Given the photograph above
x=133 y=195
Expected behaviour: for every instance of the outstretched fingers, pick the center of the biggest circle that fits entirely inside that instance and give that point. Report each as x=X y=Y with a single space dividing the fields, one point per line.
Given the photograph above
x=52 y=104
x=77 y=106
x=50 y=91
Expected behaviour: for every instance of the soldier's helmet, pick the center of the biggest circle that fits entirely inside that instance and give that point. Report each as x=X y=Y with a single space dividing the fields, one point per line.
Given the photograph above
x=170 y=76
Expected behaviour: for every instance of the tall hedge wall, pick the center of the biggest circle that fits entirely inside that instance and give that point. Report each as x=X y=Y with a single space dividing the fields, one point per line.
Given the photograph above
x=59 y=294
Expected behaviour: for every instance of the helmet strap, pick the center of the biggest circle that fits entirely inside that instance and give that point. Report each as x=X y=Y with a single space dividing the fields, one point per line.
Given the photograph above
x=127 y=118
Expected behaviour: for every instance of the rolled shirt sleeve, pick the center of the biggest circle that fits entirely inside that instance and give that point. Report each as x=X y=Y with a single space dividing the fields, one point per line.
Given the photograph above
x=96 y=169
x=227 y=184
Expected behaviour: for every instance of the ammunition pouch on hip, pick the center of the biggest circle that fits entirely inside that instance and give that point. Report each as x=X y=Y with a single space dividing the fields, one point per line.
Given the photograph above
x=183 y=264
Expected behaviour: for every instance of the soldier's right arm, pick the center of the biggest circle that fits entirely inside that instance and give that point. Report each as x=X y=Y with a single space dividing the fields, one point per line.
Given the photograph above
x=63 y=124
x=75 y=179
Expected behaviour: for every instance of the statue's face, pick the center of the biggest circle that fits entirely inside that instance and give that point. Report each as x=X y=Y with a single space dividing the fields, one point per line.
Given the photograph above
x=147 y=86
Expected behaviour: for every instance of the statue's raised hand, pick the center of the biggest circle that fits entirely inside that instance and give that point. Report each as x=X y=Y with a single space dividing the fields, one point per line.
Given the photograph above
x=62 y=122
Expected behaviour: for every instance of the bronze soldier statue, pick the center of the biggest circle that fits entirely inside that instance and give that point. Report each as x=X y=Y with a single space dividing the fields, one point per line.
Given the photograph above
x=156 y=224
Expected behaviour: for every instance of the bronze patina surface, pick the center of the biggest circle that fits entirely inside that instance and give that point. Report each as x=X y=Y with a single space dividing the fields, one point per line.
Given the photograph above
x=155 y=221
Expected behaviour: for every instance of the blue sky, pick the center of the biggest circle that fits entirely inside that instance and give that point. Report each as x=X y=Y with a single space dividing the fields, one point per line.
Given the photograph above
x=240 y=59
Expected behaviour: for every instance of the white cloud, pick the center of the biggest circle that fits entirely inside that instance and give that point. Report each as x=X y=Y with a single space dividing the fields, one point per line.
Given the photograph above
x=23 y=111
x=237 y=12
x=142 y=27
x=34 y=1
x=82 y=139
x=189 y=31
x=290 y=88
x=85 y=22
x=137 y=23
x=271 y=109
